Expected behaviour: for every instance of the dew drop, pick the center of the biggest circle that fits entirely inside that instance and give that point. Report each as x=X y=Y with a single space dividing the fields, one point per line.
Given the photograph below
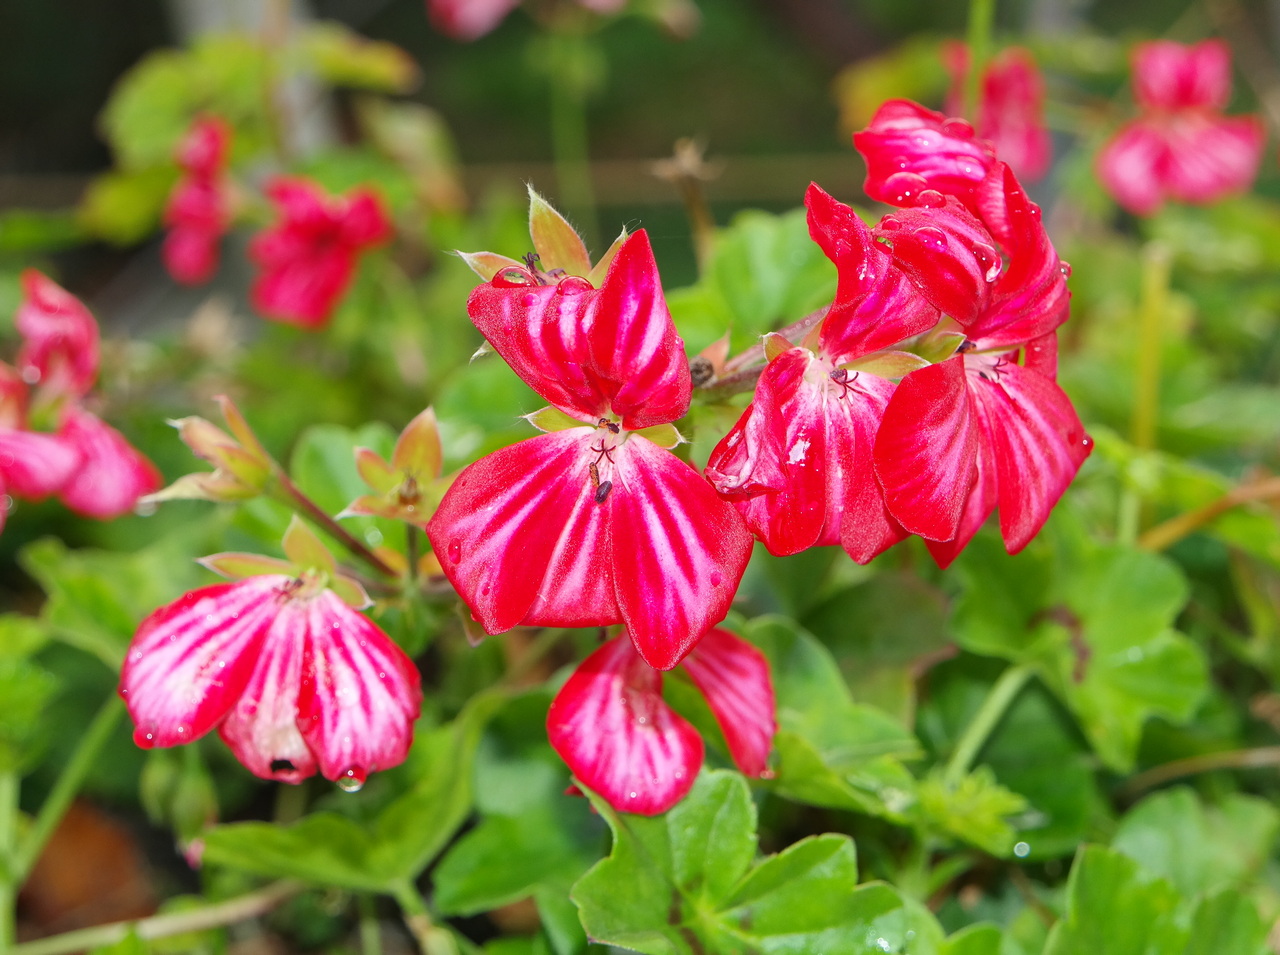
x=484 y=591
x=1065 y=269
x=904 y=188
x=931 y=199
x=1021 y=850
x=988 y=260
x=642 y=720
x=573 y=285
x=514 y=277
x=959 y=128
x=528 y=300
x=455 y=550
x=6 y=503
x=352 y=779
x=889 y=224
x=716 y=579
x=932 y=237
x=631 y=795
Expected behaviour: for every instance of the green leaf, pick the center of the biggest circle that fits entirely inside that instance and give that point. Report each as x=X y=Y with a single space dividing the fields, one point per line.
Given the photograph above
x=1096 y=621
x=683 y=883
x=980 y=939
x=344 y=58
x=1227 y=924
x=765 y=273
x=26 y=690
x=1199 y=848
x=1113 y=908
x=123 y=208
x=331 y=849
x=975 y=810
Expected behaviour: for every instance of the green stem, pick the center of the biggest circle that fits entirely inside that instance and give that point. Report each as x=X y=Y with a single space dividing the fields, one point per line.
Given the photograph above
x=292 y=496
x=412 y=549
x=9 y=783
x=431 y=939
x=982 y=15
x=569 y=142
x=975 y=735
x=165 y=926
x=541 y=645
x=65 y=788
x=370 y=930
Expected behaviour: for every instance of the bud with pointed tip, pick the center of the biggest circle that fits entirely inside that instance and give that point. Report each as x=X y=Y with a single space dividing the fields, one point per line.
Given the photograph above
x=242 y=467
x=408 y=487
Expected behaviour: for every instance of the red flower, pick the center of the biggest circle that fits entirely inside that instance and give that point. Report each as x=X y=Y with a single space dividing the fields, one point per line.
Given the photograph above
x=197 y=213
x=472 y=19
x=1181 y=147
x=982 y=429
x=60 y=338
x=293 y=678
x=610 y=724
x=32 y=465
x=596 y=522
x=309 y=256
x=1011 y=110
x=110 y=474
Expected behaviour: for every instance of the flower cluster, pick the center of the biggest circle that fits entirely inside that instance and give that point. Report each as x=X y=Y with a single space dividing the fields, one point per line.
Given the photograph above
x=926 y=398
x=472 y=19
x=50 y=443
x=198 y=213
x=1181 y=147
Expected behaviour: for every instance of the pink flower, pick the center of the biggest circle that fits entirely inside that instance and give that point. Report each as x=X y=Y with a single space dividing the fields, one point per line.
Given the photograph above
x=472 y=19
x=595 y=522
x=610 y=724
x=308 y=257
x=32 y=465
x=60 y=338
x=1011 y=111
x=1181 y=146
x=294 y=679
x=197 y=213
x=989 y=427
x=111 y=474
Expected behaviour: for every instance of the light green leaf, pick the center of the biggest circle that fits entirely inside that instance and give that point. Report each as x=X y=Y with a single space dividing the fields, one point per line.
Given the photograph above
x=976 y=810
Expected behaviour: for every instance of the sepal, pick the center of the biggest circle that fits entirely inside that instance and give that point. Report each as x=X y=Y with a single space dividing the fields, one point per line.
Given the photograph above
x=558 y=245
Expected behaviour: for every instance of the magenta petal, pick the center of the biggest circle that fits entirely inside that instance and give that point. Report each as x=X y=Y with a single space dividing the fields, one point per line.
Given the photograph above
x=679 y=551
x=360 y=693
x=1129 y=167
x=1169 y=75
x=261 y=729
x=1037 y=443
x=610 y=725
x=926 y=448
x=876 y=305
x=468 y=19
x=35 y=465
x=514 y=514
x=588 y=351
x=980 y=504
x=1209 y=157
x=734 y=677
x=191 y=660
x=112 y=474
x=856 y=504
x=747 y=462
x=60 y=337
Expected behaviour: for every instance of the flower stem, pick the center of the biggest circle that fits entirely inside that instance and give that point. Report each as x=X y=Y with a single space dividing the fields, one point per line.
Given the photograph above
x=1173 y=530
x=370 y=930
x=1257 y=758
x=165 y=926
x=9 y=886
x=982 y=14
x=292 y=496
x=65 y=788
x=975 y=735
x=569 y=141
x=431 y=939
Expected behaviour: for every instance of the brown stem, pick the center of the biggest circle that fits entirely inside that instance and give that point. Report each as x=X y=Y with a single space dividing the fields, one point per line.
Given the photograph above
x=1256 y=63
x=1173 y=530
x=294 y=497
x=1259 y=757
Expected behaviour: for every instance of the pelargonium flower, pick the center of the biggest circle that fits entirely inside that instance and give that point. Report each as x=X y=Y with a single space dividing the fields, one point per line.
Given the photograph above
x=309 y=256
x=32 y=465
x=610 y=724
x=472 y=19
x=595 y=522
x=198 y=212
x=989 y=426
x=110 y=475
x=1011 y=108
x=59 y=338
x=1181 y=146
x=294 y=678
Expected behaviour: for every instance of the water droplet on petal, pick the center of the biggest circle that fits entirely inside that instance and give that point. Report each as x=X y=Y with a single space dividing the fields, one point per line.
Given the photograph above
x=514 y=277
x=528 y=300
x=352 y=779
x=455 y=550
x=631 y=795
x=716 y=579
x=988 y=260
x=904 y=188
x=958 y=128
x=1065 y=269
x=932 y=237
x=931 y=199
x=573 y=285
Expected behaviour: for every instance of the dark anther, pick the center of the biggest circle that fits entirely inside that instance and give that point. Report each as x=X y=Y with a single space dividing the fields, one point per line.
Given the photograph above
x=965 y=346
x=557 y=274
x=842 y=378
x=701 y=370
x=613 y=426
x=594 y=469
x=603 y=491
x=287 y=589
x=283 y=766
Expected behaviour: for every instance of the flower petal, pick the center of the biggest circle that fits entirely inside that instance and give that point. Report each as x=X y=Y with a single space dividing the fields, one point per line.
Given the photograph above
x=980 y=505
x=610 y=725
x=1129 y=164
x=191 y=660
x=1037 y=445
x=60 y=337
x=679 y=551
x=35 y=465
x=876 y=306
x=112 y=474
x=926 y=448
x=360 y=693
x=1209 y=157
x=1169 y=75
x=517 y=513
x=734 y=677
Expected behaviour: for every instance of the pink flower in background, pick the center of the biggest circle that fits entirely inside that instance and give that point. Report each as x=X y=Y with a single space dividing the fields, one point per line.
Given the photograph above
x=472 y=19
x=59 y=350
x=111 y=474
x=989 y=427
x=595 y=522
x=1011 y=111
x=32 y=465
x=610 y=724
x=294 y=679
x=198 y=210
x=307 y=259
x=1181 y=146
